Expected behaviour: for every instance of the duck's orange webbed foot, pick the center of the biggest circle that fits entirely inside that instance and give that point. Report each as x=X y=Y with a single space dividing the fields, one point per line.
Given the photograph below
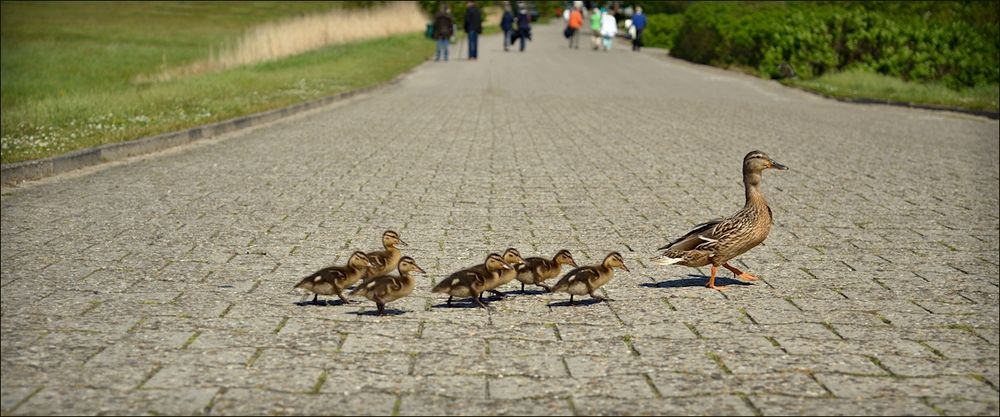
x=740 y=274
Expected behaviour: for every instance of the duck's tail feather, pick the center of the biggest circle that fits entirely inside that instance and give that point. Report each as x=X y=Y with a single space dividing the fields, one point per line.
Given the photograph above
x=665 y=260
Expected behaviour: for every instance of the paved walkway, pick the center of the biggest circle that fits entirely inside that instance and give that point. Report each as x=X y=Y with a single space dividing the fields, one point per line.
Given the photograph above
x=164 y=284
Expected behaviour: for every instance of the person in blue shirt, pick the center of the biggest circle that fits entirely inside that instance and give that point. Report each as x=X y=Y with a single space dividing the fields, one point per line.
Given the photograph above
x=639 y=22
x=507 y=25
x=523 y=26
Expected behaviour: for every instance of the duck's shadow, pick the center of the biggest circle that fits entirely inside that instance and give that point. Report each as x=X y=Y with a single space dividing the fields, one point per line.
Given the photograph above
x=388 y=312
x=576 y=303
x=693 y=280
x=322 y=303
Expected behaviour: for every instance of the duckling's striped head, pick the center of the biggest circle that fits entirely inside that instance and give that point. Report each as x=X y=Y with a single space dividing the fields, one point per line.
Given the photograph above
x=564 y=257
x=512 y=256
x=358 y=260
x=757 y=161
x=408 y=265
x=615 y=260
x=391 y=239
x=495 y=262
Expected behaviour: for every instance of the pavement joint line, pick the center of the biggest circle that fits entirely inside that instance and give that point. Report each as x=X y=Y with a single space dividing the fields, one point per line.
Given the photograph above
x=744 y=313
x=927 y=401
x=914 y=302
x=253 y=357
x=669 y=305
x=191 y=339
x=718 y=362
x=627 y=339
x=749 y=403
x=931 y=349
x=572 y=405
x=565 y=364
x=693 y=330
x=983 y=379
x=829 y=327
x=26 y=399
x=211 y=402
x=281 y=325
x=226 y=311
x=397 y=405
x=156 y=368
x=320 y=380
x=652 y=386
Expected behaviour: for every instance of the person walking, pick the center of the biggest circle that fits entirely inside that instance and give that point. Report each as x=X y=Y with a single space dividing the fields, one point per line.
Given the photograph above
x=523 y=26
x=575 y=24
x=595 y=28
x=507 y=25
x=639 y=23
x=443 y=29
x=473 y=27
x=609 y=28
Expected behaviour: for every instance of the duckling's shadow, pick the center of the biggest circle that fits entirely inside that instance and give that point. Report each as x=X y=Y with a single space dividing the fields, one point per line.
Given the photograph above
x=320 y=303
x=388 y=312
x=576 y=303
x=528 y=292
x=460 y=304
x=693 y=280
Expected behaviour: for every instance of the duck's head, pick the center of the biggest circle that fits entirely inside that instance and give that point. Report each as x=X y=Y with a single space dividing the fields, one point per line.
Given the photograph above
x=512 y=256
x=358 y=260
x=758 y=161
x=390 y=239
x=563 y=257
x=495 y=263
x=615 y=260
x=407 y=265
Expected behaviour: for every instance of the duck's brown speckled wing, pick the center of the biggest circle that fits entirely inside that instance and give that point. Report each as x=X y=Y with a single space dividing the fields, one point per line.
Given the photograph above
x=695 y=237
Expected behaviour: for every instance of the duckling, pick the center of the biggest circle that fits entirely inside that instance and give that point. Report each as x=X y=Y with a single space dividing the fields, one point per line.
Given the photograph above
x=386 y=288
x=513 y=258
x=717 y=241
x=384 y=261
x=472 y=281
x=534 y=270
x=585 y=280
x=334 y=279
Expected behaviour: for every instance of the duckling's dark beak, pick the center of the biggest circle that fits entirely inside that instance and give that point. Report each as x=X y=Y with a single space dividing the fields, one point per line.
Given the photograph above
x=776 y=165
x=401 y=242
x=506 y=265
x=419 y=269
x=625 y=267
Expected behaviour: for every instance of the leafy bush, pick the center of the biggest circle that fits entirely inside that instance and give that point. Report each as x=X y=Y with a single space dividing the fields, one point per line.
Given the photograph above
x=662 y=29
x=956 y=43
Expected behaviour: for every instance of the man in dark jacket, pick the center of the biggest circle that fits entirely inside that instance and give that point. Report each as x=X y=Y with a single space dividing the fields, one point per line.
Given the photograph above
x=444 y=27
x=506 y=24
x=523 y=26
x=473 y=27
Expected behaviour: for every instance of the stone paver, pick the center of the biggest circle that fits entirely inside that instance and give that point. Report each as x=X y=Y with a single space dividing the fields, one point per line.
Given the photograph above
x=164 y=284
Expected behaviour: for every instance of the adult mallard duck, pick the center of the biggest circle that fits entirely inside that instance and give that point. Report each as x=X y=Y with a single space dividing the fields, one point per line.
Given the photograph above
x=717 y=241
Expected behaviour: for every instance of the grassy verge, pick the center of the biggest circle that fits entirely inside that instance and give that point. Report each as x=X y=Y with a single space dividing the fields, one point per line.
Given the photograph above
x=68 y=70
x=857 y=84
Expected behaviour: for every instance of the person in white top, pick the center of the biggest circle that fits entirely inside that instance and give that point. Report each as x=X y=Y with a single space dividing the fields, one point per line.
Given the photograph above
x=609 y=28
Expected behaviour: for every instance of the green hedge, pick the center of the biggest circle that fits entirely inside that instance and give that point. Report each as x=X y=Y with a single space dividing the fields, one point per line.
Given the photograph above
x=956 y=43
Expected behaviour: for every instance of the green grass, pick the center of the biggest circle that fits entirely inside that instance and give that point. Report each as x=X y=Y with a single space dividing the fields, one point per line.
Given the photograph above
x=858 y=84
x=68 y=70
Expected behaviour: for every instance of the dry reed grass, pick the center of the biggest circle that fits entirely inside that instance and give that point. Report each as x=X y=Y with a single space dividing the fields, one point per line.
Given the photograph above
x=294 y=36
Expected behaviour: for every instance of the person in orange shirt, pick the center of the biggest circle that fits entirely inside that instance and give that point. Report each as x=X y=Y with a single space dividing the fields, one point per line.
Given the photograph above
x=575 y=23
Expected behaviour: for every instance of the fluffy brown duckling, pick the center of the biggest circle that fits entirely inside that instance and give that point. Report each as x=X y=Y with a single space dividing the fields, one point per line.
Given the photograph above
x=472 y=281
x=587 y=279
x=535 y=270
x=386 y=288
x=384 y=261
x=334 y=280
x=513 y=258
x=717 y=241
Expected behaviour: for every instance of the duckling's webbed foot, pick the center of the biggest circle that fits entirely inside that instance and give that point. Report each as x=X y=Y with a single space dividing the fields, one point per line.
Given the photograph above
x=315 y=300
x=548 y=288
x=345 y=299
x=739 y=274
x=479 y=301
x=600 y=298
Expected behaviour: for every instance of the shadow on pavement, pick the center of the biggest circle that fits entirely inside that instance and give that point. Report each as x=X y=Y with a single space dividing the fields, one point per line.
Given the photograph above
x=693 y=280
x=580 y=303
x=320 y=303
x=388 y=312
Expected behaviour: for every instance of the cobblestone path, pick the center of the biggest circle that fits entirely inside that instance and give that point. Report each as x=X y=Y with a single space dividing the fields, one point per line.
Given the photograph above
x=164 y=284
